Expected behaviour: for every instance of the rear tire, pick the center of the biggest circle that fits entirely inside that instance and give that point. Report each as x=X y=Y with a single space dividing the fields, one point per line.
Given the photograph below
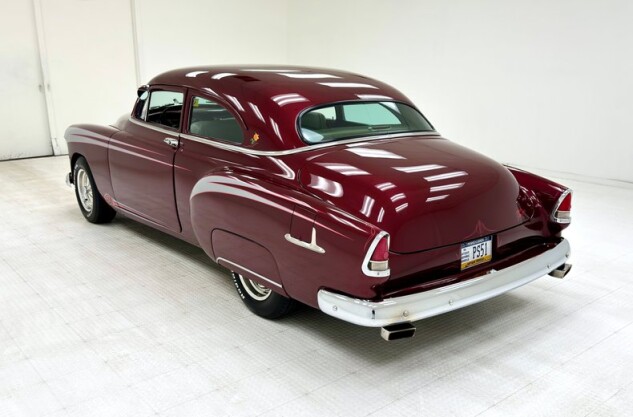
x=262 y=300
x=92 y=205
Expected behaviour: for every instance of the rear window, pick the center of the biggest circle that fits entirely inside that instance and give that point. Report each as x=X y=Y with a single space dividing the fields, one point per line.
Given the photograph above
x=360 y=119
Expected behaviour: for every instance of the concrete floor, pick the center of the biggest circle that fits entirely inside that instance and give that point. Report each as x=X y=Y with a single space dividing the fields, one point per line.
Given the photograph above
x=121 y=320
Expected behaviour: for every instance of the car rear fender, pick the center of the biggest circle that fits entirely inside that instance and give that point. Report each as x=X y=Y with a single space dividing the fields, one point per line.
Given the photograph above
x=245 y=222
x=542 y=196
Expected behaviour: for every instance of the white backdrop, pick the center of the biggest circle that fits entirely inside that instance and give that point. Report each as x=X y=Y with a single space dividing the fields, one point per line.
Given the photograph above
x=545 y=84
x=541 y=84
x=199 y=32
x=23 y=117
x=90 y=61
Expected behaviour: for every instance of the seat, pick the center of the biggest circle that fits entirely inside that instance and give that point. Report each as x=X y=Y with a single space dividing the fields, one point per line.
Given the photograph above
x=224 y=129
x=313 y=121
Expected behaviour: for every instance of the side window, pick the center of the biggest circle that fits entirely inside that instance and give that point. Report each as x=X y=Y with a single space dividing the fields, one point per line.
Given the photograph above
x=210 y=120
x=165 y=108
x=140 y=109
x=370 y=114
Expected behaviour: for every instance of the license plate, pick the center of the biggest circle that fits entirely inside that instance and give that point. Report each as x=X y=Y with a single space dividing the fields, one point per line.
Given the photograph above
x=476 y=252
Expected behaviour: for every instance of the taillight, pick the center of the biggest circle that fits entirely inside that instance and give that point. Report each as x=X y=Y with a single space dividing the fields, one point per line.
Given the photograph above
x=562 y=209
x=376 y=263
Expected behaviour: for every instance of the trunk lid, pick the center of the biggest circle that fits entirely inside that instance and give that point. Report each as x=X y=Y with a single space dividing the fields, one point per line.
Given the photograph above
x=425 y=192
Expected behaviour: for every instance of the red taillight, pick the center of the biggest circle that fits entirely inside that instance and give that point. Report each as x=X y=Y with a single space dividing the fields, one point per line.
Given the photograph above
x=376 y=262
x=565 y=205
x=562 y=210
x=381 y=253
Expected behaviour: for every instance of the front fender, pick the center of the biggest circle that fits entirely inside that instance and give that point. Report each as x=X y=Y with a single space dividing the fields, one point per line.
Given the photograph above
x=91 y=142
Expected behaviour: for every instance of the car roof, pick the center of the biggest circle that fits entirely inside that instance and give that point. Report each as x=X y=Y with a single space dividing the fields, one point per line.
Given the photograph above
x=269 y=98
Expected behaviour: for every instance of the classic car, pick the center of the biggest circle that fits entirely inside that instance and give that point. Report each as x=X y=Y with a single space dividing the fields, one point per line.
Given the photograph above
x=322 y=187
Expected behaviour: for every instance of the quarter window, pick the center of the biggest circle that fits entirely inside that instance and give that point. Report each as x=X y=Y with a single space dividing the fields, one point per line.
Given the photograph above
x=211 y=120
x=165 y=108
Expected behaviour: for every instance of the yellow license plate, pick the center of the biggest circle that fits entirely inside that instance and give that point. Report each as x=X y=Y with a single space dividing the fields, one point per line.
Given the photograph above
x=476 y=252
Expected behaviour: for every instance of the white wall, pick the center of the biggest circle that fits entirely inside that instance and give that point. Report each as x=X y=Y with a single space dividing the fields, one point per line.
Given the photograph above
x=23 y=117
x=90 y=61
x=546 y=84
x=209 y=32
x=95 y=53
x=542 y=84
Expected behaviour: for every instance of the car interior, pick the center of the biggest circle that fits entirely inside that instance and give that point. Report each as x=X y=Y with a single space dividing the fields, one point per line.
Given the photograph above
x=166 y=115
x=209 y=119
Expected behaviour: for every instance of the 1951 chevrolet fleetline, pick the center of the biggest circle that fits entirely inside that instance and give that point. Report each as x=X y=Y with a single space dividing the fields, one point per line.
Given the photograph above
x=324 y=187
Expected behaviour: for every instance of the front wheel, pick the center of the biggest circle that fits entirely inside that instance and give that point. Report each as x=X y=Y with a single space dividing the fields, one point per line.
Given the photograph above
x=262 y=300
x=92 y=205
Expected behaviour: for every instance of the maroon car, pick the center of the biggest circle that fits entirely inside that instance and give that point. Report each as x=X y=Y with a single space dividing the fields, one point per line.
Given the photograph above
x=324 y=187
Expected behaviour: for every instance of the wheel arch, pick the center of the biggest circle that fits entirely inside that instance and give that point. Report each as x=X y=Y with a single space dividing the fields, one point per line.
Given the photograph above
x=73 y=159
x=248 y=258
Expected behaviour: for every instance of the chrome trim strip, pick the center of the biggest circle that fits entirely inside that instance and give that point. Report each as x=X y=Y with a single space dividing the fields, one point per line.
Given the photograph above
x=153 y=127
x=248 y=270
x=312 y=245
x=557 y=205
x=365 y=265
x=247 y=151
x=302 y=149
x=430 y=303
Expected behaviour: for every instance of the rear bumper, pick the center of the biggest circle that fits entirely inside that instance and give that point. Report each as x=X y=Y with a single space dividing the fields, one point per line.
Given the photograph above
x=430 y=303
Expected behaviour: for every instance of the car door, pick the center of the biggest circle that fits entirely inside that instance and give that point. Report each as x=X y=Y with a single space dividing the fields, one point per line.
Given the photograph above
x=211 y=125
x=141 y=157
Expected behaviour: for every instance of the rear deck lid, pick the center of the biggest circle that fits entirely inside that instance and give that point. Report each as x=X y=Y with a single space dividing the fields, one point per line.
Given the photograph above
x=425 y=192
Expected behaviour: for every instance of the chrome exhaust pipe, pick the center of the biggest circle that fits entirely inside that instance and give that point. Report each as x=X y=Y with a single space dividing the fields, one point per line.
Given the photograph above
x=397 y=331
x=561 y=271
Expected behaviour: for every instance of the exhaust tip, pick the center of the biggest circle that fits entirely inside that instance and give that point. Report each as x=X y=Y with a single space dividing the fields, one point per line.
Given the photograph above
x=397 y=331
x=561 y=271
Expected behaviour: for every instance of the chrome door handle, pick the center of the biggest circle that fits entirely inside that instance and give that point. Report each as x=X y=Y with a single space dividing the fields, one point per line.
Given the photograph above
x=171 y=142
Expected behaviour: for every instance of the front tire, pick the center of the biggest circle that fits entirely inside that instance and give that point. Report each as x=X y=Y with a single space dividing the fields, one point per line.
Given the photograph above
x=92 y=205
x=262 y=300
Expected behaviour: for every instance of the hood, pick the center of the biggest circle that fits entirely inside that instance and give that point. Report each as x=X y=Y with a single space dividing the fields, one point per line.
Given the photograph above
x=425 y=192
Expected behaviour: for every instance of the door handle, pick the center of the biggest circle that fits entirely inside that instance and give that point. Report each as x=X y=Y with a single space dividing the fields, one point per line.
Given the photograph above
x=171 y=142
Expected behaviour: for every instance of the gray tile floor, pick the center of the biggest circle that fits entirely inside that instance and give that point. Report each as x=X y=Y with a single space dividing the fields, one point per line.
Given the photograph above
x=121 y=320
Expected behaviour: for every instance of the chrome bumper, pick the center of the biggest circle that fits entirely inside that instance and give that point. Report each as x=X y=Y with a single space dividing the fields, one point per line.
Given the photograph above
x=430 y=303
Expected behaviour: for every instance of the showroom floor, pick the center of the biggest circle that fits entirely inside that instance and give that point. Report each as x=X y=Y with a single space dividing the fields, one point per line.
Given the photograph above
x=121 y=320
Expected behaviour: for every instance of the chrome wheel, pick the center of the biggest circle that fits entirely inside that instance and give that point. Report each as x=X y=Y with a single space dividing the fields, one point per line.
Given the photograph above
x=84 y=189
x=256 y=291
x=260 y=299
